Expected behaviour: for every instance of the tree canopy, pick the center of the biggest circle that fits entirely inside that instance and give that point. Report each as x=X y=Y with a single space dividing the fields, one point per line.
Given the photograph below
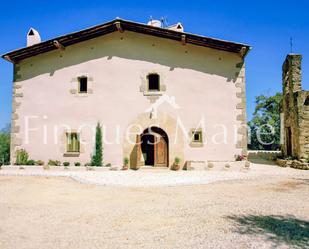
x=265 y=124
x=5 y=145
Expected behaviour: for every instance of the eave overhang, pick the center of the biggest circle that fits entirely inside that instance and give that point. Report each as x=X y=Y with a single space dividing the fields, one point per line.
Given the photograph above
x=122 y=25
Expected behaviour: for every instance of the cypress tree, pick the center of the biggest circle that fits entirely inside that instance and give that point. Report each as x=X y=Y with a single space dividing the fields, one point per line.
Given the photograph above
x=97 y=158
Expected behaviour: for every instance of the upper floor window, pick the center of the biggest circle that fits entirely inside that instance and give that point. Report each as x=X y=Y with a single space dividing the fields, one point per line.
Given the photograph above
x=73 y=143
x=83 y=84
x=153 y=82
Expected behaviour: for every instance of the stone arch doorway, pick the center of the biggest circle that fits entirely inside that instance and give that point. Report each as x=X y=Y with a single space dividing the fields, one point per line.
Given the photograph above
x=137 y=126
x=155 y=147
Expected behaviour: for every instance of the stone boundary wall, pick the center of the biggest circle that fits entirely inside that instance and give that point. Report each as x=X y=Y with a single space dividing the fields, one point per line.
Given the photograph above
x=263 y=154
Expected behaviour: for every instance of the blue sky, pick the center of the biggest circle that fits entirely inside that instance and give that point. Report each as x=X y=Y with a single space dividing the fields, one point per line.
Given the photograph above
x=266 y=25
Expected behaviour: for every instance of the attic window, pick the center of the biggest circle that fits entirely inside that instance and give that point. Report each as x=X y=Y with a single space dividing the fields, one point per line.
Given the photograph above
x=31 y=32
x=179 y=27
x=153 y=82
x=83 y=84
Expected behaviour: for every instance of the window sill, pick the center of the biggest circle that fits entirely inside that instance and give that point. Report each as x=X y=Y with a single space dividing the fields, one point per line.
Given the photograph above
x=196 y=144
x=153 y=93
x=71 y=154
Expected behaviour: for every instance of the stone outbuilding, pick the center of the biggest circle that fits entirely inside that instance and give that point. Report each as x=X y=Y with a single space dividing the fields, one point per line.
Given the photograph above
x=295 y=110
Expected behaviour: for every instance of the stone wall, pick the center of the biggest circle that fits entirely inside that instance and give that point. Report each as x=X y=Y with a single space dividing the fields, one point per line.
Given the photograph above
x=295 y=110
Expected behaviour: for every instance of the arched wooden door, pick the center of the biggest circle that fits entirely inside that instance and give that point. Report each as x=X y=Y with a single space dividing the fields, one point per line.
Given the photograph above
x=160 y=152
x=154 y=147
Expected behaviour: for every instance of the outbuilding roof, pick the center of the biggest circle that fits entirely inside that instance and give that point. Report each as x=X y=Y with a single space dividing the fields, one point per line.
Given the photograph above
x=121 y=25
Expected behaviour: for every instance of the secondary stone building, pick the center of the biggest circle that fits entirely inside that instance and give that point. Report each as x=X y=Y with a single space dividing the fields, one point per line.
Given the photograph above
x=189 y=89
x=295 y=116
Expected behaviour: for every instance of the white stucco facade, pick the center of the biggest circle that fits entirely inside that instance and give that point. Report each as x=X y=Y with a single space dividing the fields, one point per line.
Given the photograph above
x=208 y=86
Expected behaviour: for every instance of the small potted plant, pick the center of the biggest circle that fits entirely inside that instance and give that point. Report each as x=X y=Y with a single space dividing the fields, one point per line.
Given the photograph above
x=66 y=165
x=39 y=163
x=125 y=164
x=176 y=165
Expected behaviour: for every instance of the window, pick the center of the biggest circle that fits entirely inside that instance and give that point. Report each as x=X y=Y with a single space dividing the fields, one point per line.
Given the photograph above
x=83 y=84
x=197 y=137
x=153 y=82
x=73 y=143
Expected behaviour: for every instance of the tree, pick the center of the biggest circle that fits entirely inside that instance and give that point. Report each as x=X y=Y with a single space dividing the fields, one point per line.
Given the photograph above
x=97 y=158
x=265 y=124
x=5 y=146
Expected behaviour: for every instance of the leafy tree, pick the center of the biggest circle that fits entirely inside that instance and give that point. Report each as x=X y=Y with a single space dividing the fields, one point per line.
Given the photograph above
x=265 y=124
x=97 y=158
x=5 y=146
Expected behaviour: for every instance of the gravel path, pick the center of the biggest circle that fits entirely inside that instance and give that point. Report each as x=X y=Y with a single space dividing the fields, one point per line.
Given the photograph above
x=56 y=212
x=151 y=178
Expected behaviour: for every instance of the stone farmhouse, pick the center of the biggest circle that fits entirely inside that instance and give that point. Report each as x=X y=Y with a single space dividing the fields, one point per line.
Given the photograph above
x=159 y=93
x=295 y=110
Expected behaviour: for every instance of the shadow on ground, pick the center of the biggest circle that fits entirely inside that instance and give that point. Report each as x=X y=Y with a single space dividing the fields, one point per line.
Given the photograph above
x=278 y=229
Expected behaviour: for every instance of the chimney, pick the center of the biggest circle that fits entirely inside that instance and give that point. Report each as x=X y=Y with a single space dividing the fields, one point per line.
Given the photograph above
x=177 y=27
x=33 y=37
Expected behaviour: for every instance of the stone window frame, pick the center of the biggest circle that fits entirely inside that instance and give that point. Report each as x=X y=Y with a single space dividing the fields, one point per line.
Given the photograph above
x=68 y=134
x=144 y=88
x=64 y=149
x=194 y=143
x=75 y=85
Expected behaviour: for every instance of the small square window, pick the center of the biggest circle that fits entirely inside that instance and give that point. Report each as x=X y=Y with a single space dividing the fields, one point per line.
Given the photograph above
x=73 y=143
x=197 y=136
x=153 y=82
x=83 y=84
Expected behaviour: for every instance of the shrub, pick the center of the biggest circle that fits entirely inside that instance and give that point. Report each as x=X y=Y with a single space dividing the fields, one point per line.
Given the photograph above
x=21 y=157
x=39 y=163
x=54 y=163
x=77 y=164
x=177 y=160
x=240 y=158
x=108 y=165
x=308 y=159
x=66 y=164
x=88 y=164
x=31 y=162
x=125 y=161
x=97 y=158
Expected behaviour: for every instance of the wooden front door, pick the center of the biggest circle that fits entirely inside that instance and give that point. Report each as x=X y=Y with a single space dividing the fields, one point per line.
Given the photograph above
x=160 y=152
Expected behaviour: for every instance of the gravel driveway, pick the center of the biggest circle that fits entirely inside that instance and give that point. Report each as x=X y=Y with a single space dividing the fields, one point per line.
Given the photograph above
x=156 y=177
x=49 y=212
